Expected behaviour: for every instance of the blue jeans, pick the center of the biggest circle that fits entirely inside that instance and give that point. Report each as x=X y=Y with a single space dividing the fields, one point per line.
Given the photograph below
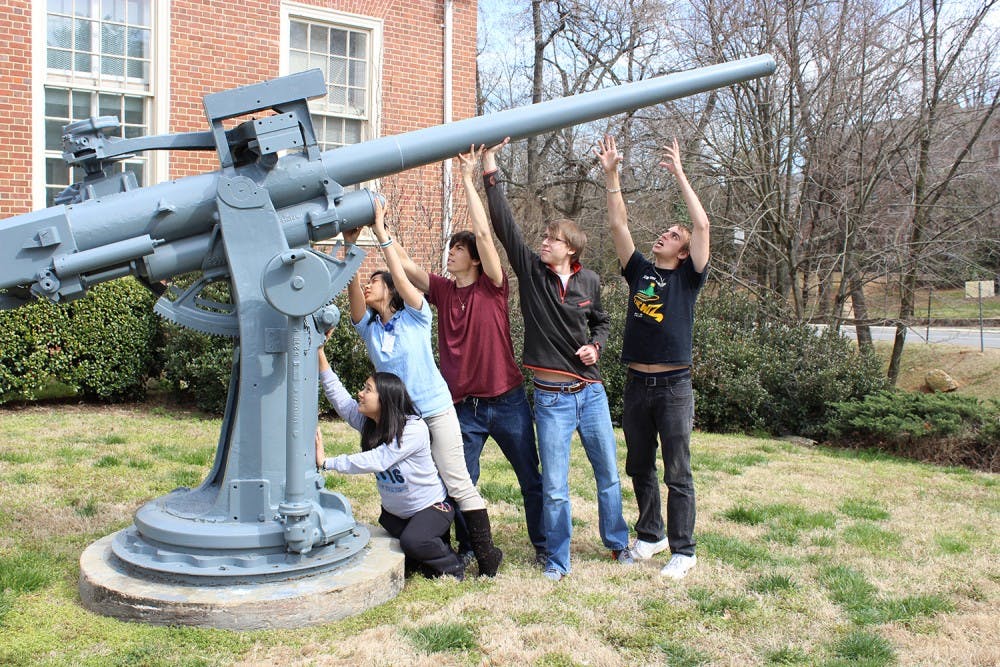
x=661 y=407
x=507 y=418
x=557 y=415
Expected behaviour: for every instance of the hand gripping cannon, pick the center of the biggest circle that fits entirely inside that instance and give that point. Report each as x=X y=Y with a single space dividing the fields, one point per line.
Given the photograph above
x=262 y=513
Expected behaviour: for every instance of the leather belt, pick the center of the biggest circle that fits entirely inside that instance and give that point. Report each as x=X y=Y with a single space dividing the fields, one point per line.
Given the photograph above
x=659 y=380
x=573 y=388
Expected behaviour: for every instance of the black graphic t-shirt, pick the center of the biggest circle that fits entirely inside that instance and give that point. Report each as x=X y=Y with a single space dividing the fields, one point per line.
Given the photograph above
x=660 y=311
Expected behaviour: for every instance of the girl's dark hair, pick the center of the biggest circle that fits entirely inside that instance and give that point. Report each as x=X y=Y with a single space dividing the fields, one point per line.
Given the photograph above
x=395 y=407
x=395 y=300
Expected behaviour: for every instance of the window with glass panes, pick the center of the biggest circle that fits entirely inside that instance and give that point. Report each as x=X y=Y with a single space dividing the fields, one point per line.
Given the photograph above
x=99 y=63
x=344 y=56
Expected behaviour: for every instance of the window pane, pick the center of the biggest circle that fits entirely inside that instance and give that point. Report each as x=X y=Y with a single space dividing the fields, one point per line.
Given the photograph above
x=61 y=6
x=337 y=97
x=82 y=7
x=109 y=105
x=298 y=61
x=135 y=108
x=298 y=35
x=318 y=42
x=359 y=45
x=138 y=42
x=113 y=10
x=138 y=69
x=83 y=63
x=338 y=42
x=338 y=71
x=113 y=39
x=134 y=131
x=352 y=131
x=60 y=32
x=81 y=105
x=56 y=59
x=53 y=134
x=56 y=172
x=113 y=66
x=83 y=32
x=320 y=62
x=357 y=100
x=139 y=12
x=136 y=168
x=359 y=72
x=56 y=103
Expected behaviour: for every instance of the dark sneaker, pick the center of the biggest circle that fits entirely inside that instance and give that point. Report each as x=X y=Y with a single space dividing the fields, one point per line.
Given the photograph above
x=541 y=558
x=623 y=556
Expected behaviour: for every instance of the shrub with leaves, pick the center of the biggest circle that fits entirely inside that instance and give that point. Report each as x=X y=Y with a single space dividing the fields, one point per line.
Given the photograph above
x=755 y=369
x=101 y=346
x=946 y=428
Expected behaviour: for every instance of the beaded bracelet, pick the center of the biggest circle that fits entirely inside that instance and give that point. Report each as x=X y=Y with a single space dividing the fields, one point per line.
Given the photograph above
x=611 y=191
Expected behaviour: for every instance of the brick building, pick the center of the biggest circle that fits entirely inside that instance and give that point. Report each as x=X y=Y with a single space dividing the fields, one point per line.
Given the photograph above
x=150 y=62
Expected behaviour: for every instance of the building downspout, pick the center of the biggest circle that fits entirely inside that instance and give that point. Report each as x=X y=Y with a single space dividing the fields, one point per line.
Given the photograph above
x=447 y=209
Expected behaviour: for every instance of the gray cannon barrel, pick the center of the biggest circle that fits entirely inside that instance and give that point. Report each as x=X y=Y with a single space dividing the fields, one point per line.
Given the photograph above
x=174 y=211
x=389 y=155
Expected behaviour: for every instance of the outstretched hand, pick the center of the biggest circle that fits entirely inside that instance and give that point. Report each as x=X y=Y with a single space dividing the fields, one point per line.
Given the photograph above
x=607 y=152
x=490 y=155
x=381 y=233
x=672 y=159
x=320 y=453
x=467 y=161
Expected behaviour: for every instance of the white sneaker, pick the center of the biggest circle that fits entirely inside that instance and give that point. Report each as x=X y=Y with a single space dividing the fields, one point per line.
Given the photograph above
x=678 y=567
x=645 y=550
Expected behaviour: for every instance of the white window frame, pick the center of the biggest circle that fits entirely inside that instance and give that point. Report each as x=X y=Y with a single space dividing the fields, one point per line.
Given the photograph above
x=158 y=94
x=374 y=27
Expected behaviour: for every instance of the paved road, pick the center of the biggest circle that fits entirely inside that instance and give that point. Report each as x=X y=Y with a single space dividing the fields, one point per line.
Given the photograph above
x=962 y=337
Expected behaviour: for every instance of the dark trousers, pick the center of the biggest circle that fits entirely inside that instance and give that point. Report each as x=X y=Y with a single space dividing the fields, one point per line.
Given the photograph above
x=507 y=418
x=420 y=538
x=661 y=408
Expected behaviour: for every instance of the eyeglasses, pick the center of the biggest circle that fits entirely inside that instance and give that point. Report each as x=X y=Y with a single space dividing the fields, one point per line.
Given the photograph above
x=553 y=239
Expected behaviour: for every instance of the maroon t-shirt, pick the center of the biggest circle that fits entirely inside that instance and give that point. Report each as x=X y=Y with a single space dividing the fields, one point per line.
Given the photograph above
x=477 y=355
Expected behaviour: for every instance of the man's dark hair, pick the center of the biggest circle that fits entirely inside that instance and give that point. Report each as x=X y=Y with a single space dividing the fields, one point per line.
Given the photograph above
x=466 y=239
x=395 y=407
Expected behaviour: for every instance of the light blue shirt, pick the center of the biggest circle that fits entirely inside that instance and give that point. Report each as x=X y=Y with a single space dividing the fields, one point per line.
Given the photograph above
x=403 y=347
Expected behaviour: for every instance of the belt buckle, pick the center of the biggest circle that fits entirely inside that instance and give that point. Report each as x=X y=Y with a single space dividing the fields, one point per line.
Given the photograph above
x=651 y=381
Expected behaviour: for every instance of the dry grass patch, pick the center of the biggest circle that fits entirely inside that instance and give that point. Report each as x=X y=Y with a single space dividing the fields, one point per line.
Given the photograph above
x=773 y=519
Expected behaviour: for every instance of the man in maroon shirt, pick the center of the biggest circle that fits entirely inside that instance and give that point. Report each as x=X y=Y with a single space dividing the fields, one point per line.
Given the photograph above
x=477 y=355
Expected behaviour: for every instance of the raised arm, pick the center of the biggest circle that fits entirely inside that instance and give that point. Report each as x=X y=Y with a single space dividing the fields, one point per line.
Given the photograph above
x=699 y=219
x=610 y=158
x=418 y=276
x=412 y=297
x=501 y=216
x=488 y=254
x=355 y=295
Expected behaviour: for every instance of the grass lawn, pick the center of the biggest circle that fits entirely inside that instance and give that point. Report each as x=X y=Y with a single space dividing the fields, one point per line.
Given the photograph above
x=806 y=556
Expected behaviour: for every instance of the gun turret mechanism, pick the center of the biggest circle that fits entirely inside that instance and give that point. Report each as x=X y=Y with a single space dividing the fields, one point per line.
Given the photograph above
x=262 y=512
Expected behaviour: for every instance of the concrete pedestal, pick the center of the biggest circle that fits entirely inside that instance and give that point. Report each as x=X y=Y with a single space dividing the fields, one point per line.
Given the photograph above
x=374 y=577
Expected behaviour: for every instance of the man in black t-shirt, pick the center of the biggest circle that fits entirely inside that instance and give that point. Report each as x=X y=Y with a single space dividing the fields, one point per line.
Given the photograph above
x=659 y=403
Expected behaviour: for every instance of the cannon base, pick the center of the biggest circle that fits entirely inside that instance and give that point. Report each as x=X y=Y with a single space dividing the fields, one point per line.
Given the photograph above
x=373 y=577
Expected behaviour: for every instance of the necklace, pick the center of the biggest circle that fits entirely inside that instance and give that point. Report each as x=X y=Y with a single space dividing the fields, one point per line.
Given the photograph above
x=458 y=295
x=662 y=282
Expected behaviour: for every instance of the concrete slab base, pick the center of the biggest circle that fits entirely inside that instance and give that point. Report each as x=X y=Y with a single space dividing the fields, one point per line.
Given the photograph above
x=370 y=580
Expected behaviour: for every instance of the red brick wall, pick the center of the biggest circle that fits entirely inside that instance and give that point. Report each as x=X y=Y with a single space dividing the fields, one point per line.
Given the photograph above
x=213 y=49
x=15 y=108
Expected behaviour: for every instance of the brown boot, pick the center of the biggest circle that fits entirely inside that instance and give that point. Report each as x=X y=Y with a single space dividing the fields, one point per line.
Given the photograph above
x=488 y=556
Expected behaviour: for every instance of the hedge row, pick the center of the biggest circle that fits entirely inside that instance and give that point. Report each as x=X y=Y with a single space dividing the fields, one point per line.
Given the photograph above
x=102 y=347
x=755 y=370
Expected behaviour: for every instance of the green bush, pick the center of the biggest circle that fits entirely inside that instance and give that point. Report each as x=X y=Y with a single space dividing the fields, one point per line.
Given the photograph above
x=944 y=428
x=102 y=346
x=756 y=370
